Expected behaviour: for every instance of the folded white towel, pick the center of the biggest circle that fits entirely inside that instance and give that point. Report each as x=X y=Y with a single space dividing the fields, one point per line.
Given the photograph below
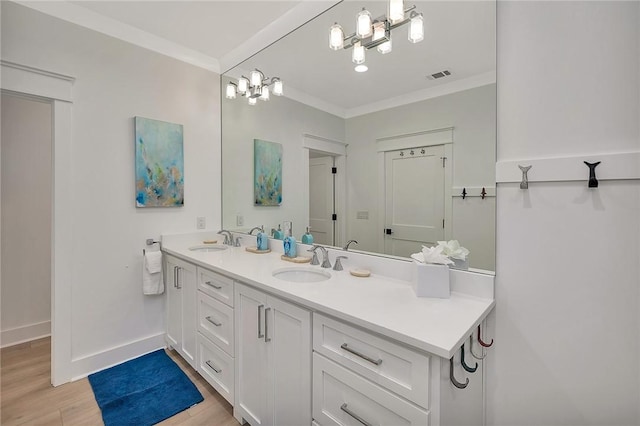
x=152 y=273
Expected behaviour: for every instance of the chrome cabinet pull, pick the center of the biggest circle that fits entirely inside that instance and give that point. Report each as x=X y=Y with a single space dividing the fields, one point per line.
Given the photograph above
x=211 y=366
x=266 y=326
x=175 y=277
x=363 y=356
x=178 y=286
x=260 y=335
x=211 y=284
x=217 y=324
x=344 y=408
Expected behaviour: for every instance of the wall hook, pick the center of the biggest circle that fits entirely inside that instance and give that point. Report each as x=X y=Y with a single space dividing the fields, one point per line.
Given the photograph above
x=471 y=350
x=453 y=379
x=486 y=345
x=593 y=182
x=483 y=193
x=464 y=364
x=525 y=179
x=464 y=193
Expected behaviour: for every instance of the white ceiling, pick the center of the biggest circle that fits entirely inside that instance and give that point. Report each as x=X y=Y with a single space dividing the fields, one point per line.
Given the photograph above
x=460 y=36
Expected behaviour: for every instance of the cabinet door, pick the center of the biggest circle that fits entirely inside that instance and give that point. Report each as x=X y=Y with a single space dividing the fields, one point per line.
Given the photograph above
x=187 y=285
x=174 y=304
x=288 y=336
x=251 y=356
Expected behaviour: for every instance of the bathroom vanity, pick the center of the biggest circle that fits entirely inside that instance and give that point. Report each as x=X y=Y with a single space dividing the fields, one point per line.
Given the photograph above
x=317 y=346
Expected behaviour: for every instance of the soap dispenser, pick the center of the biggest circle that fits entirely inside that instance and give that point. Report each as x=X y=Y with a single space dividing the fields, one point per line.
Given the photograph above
x=262 y=241
x=278 y=234
x=289 y=242
x=307 y=238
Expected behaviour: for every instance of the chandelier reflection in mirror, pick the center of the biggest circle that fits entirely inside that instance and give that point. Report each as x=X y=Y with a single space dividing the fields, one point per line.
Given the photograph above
x=376 y=32
x=257 y=86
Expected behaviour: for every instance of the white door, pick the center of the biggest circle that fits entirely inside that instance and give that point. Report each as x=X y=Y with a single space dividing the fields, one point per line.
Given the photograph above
x=414 y=199
x=174 y=304
x=288 y=334
x=251 y=356
x=321 y=200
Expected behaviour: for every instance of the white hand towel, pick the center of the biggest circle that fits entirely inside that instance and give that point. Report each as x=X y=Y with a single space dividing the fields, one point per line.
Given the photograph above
x=152 y=273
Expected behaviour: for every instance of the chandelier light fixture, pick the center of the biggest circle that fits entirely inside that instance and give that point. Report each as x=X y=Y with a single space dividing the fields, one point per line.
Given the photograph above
x=376 y=32
x=257 y=86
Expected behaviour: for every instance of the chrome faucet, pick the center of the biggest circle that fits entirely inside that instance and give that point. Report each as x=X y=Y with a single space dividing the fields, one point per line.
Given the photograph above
x=325 y=255
x=338 y=265
x=228 y=238
x=314 y=259
x=346 y=246
x=258 y=228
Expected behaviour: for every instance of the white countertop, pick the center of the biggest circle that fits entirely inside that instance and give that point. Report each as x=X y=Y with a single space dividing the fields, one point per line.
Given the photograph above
x=381 y=304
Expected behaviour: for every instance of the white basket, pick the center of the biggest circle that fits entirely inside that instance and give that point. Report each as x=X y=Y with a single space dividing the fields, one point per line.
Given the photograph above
x=431 y=280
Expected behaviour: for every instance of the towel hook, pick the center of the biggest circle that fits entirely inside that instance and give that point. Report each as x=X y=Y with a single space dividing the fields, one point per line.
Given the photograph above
x=593 y=182
x=483 y=193
x=464 y=364
x=525 y=180
x=453 y=379
x=464 y=193
x=471 y=350
x=486 y=345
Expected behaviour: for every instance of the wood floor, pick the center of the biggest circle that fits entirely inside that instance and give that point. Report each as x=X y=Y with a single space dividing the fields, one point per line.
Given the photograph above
x=27 y=397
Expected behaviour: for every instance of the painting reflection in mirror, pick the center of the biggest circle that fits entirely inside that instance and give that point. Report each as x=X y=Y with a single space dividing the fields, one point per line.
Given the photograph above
x=403 y=144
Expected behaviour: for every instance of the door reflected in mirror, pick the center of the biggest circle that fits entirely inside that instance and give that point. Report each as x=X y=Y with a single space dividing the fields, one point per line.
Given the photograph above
x=403 y=144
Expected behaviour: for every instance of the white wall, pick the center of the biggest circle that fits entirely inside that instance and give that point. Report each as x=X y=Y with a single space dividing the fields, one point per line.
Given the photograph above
x=26 y=220
x=279 y=120
x=566 y=323
x=472 y=113
x=116 y=81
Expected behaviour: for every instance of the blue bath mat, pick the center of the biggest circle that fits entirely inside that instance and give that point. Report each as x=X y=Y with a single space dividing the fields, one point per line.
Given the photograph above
x=143 y=391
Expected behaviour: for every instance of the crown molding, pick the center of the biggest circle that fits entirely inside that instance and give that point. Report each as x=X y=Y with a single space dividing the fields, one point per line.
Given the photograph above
x=94 y=21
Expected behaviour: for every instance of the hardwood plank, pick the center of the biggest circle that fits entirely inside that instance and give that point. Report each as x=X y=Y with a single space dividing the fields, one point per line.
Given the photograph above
x=27 y=397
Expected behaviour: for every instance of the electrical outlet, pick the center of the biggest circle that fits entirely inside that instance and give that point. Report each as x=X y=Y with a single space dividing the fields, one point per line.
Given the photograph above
x=239 y=220
x=201 y=222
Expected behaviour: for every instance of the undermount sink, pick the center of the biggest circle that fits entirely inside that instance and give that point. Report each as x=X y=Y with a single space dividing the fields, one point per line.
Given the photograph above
x=301 y=275
x=209 y=247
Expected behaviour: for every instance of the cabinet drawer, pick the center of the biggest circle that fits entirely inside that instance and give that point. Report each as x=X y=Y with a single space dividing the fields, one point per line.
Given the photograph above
x=216 y=285
x=215 y=321
x=341 y=397
x=216 y=367
x=395 y=367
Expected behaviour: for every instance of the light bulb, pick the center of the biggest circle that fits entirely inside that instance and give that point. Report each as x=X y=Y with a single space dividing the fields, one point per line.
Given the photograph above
x=243 y=85
x=231 y=91
x=277 y=88
x=265 y=93
x=385 y=47
x=358 y=53
x=252 y=101
x=416 y=29
x=363 y=23
x=378 y=31
x=256 y=78
x=396 y=10
x=336 y=37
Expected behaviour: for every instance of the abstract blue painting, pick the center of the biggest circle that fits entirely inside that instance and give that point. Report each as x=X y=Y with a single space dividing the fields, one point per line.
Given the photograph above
x=159 y=163
x=267 y=160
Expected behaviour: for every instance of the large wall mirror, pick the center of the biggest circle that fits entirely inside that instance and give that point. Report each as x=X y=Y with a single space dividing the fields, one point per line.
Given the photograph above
x=406 y=138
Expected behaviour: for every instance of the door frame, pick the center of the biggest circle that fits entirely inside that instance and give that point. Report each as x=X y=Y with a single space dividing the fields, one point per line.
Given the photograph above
x=441 y=136
x=338 y=150
x=57 y=89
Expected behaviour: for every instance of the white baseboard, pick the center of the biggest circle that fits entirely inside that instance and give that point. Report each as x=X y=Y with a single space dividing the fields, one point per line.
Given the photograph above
x=83 y=366
x=24 y=334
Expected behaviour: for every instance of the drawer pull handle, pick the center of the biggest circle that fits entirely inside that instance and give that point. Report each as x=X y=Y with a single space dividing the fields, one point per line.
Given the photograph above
x=260 y=335
x=344 y=408
x=211 y=284
x=217 y=370
x=217 y=324
x=363 y=356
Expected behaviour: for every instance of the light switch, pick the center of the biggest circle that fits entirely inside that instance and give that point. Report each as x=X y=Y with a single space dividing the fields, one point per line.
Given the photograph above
x=201 y=222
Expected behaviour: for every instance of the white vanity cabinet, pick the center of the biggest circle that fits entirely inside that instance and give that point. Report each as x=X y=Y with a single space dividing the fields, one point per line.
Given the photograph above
x=216 y=331
x=180 y=284
x=273 y=360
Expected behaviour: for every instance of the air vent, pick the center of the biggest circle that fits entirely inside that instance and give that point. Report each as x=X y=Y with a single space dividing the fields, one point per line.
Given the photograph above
x=439 y=74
